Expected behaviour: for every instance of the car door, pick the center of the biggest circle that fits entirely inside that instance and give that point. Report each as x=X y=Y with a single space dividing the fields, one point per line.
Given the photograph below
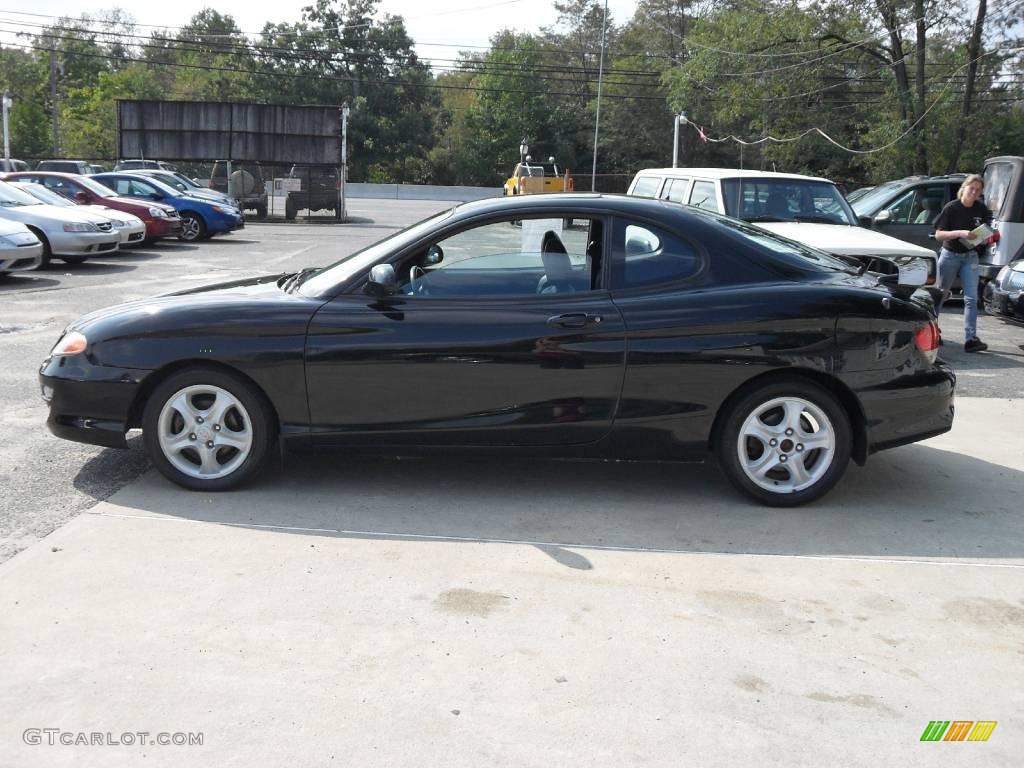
x=500 y=333
x=912 y=214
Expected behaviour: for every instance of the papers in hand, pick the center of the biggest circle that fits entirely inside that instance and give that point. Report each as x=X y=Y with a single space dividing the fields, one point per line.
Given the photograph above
x=978 y=236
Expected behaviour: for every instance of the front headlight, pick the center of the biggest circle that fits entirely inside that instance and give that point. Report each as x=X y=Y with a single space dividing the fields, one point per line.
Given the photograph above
x=158 y=213
x=80 y=226
x=71 y=343
x=118 y=224
x=1003 y=274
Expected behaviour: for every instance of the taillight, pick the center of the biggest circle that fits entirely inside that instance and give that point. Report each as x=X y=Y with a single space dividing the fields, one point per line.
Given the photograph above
x=927 y=340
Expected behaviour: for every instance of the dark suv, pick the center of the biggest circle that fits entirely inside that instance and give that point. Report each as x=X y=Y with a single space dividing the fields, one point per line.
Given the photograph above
x=80 y=167
x=247 y=185
x=319 y=190
x=907 y=208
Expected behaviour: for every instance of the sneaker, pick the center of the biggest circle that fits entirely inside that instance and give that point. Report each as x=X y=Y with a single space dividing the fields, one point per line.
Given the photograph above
x=975 y=345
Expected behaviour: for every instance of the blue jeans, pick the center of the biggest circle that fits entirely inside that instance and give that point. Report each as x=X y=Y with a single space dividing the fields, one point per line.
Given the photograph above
x=966 y=266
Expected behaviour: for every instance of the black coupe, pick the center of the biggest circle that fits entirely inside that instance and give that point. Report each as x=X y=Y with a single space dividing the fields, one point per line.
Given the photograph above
x=585 y=325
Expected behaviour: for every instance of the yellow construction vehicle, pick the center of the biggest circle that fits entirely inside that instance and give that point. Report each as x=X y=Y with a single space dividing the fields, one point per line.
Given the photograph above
x=532 y=178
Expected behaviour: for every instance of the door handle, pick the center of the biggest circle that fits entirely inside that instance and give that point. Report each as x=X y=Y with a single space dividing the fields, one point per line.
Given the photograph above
x=574 y=320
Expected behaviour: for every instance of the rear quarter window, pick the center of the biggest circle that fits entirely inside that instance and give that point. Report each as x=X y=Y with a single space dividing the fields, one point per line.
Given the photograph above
x=646 y=186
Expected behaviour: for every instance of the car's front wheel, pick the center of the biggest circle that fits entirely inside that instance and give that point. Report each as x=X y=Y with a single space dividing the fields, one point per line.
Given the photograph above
x=785 y=442
x=192 y=227
x=207 y=430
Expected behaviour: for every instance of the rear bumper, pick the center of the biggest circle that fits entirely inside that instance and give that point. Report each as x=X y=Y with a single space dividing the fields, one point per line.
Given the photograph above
x=909 y=409
x=88 y=403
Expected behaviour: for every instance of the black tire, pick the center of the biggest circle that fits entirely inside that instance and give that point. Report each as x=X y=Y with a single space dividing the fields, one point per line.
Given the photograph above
x=47 y=253
x=985 y=296
x=289 y=209
x=74 y=259
x=261 y=211
x=748 y=403
x=192 y=227
x=260 y=416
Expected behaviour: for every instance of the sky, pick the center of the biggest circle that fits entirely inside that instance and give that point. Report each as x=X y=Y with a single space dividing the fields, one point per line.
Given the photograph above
x=440 y=28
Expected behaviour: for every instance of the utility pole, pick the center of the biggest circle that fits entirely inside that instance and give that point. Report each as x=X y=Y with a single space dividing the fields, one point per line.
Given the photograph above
x=680 y=120
x=343 y=171
x=53 y=95
x=600 y=77
x=7 y=141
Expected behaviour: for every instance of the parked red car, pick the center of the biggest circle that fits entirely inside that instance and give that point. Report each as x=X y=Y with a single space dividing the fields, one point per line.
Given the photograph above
x=161 y=220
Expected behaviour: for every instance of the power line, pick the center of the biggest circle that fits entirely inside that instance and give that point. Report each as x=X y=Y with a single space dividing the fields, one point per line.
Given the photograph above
x=347 y=79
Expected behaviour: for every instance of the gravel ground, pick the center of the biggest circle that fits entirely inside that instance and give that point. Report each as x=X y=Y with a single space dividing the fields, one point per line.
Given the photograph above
x=46 y=481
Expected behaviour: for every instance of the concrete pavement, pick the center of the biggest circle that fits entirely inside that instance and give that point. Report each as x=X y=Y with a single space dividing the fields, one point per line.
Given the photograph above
x=349 y=611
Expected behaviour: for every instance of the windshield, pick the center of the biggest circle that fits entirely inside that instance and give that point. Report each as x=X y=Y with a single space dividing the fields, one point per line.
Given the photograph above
x=164 y=189
x=323 y=280
x=869 y=203
x=784 y=199
x=11 y=196
x=95 y=187
x=43 y=194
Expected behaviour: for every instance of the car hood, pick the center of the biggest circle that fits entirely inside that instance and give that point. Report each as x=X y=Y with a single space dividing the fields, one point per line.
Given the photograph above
x=52 y=215
x=111 y=213
x=189 y=301
x=142 y=205
x=11 y=227
x=845 y=240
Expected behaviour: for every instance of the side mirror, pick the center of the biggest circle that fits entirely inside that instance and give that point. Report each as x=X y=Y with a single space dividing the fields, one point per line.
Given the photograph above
x=865 y=221
x=81 y=198
x=883 y=217
x=434 y=256
x=382 y=282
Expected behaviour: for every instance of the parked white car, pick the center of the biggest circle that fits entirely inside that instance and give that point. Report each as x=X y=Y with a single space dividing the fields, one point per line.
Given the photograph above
x=807 y=209
x=20 y=250
x=65 y=233
x=131 y=228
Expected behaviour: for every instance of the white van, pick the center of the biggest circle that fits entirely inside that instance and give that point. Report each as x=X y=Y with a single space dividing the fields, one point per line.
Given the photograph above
x=807 y=209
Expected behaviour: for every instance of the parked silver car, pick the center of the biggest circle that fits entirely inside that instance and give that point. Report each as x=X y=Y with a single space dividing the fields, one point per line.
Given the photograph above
x=130 y=228
x=65 y=233
x=20 y=250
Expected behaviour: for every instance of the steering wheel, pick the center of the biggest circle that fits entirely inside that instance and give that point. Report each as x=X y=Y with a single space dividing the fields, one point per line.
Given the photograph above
x=417 y=289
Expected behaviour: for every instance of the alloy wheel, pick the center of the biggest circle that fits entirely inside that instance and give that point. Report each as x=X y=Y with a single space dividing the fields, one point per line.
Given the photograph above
x=205 y=432
x=786 y=444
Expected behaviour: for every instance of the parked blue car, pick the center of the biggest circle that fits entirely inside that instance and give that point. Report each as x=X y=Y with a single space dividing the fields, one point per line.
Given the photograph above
x=199 y=218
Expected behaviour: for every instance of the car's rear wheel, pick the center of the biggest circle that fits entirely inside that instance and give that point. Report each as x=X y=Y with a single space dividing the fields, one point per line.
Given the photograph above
x=192 y=227
x=207 y=430
x=289 y=208
x=785 y=442
x=261 y=211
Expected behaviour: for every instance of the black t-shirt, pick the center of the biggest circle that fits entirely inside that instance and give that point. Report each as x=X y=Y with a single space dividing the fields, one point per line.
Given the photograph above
x=958 y=216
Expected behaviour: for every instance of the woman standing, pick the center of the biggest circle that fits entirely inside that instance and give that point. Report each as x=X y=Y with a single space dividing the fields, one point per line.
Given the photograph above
x=957 y=257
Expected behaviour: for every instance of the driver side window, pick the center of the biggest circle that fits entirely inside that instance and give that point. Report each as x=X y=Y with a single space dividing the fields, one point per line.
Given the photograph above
x=539 y=256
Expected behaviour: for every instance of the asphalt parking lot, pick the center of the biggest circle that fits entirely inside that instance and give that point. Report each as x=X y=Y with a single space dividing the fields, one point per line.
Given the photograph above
x=348 y=611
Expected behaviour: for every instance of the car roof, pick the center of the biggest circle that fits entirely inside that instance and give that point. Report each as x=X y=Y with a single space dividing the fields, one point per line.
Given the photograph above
x=727 y=173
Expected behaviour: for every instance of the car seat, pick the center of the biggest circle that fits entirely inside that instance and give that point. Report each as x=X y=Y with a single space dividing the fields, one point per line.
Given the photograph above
x=930 y=212
x=557 y=276
x=777 y=205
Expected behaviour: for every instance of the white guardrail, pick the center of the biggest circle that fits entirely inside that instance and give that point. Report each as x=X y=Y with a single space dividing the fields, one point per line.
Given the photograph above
x=419 y=192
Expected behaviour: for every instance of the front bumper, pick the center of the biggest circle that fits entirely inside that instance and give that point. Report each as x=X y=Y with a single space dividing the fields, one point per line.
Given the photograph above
x=219 y=223
x=162 y=228
x=130 y=235
x=89 y=403
x=1004 y=303
x=82 y=243
x=22 y=258
x=910 y=408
